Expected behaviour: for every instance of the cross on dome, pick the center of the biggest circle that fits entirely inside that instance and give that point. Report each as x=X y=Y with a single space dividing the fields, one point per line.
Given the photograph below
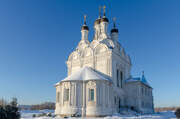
x=99 y=11
x=104 y=11
x=104 y=19
x=114 y=30
x=85 y=27
x=143 y=72
x=114 y=22
x=85 y=19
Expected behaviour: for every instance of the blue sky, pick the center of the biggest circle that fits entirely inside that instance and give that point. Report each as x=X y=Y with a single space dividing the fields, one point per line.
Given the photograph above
x=36 y=37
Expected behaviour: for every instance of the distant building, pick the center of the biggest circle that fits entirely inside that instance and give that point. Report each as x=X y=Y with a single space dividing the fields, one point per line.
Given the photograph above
x=99 y=82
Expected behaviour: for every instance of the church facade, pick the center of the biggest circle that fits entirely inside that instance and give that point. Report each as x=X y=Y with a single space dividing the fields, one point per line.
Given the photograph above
x=99 y=81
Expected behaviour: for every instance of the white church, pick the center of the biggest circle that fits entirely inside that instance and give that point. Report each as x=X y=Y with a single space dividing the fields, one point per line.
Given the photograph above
x=99 y=81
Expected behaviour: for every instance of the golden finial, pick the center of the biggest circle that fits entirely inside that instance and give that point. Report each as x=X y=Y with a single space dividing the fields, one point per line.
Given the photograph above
x=104 y=10
x=85 y=19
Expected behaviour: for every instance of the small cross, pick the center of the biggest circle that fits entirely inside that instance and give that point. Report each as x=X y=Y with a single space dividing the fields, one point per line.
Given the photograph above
x=104 y=9
x=85 y=19
x=100 y=11
x=143 y=73
x=114 y=21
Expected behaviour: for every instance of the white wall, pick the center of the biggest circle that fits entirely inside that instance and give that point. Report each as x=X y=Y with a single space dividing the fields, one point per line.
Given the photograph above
x=100 y=106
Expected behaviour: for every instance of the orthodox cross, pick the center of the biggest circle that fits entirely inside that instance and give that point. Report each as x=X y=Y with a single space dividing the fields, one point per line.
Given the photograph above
x=104 y=10
x=99 y=11
x=143 y=73
x=114 y=22
x=85 y=19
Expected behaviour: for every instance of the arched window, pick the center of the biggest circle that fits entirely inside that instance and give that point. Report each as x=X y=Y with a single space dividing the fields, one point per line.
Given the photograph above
x=91 y=94
x=66 y=94
x=121 y=78
x=119 y=103
x=58 y=97
x=117 y=77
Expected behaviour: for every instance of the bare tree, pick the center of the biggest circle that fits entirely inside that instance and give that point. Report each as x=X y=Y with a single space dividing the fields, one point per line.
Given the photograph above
x=46 y=105
x=3 y=102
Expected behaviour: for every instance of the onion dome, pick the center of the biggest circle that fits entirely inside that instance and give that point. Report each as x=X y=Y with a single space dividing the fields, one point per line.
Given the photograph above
x=114 y=30
x=104 y=19
x=85 y=27
x=97 y=21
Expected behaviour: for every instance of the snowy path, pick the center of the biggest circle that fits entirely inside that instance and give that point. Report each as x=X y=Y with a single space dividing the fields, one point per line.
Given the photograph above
x=162 y=115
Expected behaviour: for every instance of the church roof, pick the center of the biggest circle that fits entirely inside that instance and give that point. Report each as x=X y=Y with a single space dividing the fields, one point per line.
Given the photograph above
x=139 y=79
x=86 y=73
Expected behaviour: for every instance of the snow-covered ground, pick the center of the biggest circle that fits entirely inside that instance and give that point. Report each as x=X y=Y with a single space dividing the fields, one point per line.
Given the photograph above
x=162 y=115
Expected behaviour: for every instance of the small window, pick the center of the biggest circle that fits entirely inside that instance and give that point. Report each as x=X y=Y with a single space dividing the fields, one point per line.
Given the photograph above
x=91 y=95
x=58 y=97
x=121 y=78
x=66 y=94
x=114 y=100
x=117 y=74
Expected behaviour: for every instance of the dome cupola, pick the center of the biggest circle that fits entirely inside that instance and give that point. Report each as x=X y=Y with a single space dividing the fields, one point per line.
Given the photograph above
x=114 y=30
x=85 y=27
x=104 y=18
x=84 y=33
x=98 y=20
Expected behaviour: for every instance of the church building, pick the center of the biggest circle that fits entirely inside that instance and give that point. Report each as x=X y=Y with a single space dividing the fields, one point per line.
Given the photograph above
x=99 y=81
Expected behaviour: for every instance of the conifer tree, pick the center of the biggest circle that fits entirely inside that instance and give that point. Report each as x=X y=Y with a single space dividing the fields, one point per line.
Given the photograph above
x=178 y=113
